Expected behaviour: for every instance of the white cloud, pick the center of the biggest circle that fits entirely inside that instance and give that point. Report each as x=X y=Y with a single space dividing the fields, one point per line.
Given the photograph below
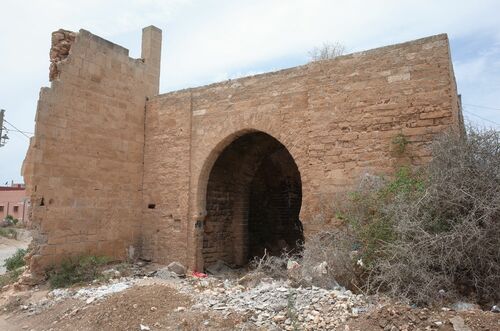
x=238 y=35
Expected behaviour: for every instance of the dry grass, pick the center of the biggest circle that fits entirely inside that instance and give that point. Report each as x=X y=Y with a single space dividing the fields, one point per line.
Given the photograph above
x=338 y=251
x=334 y=249
x=272 y=266
x=448 y=237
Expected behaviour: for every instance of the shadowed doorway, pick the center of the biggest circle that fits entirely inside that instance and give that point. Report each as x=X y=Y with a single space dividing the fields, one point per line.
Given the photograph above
x=253 y=201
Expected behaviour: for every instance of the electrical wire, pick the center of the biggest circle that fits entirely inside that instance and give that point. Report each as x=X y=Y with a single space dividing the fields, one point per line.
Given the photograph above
x=477 y=106
x=484 y=119
x=17 y=130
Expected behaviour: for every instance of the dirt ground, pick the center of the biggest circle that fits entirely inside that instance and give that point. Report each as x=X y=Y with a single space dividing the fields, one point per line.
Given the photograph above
x=397 y=317
x=158 y=307
x=156 y=304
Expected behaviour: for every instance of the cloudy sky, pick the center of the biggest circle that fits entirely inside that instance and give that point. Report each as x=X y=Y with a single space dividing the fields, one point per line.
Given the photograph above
x=212 y=40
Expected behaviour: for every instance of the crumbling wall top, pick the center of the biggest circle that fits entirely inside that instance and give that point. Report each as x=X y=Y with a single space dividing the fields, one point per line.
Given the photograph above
x=62 y=41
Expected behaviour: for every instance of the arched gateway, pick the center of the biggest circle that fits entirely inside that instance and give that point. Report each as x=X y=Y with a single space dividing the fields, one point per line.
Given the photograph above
x=253 y=200
x=202 y=174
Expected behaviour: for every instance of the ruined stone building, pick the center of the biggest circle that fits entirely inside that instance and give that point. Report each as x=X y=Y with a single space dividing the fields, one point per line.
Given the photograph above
x=223 y=171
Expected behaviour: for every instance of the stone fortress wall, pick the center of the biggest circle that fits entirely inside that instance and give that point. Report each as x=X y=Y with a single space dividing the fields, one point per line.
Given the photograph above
x=225 y=170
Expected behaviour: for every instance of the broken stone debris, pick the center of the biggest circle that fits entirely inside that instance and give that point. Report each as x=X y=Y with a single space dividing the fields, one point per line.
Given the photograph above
x=277 y=304
x=177 y=268
x=251 y=279
x=101 y=291
x=459 y=324
x=269 y=303
x=89 y=294
x=111 y=273
x=218 y=268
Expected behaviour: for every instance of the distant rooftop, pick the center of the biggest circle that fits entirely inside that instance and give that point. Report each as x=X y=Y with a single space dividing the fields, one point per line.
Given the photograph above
x=12 y=187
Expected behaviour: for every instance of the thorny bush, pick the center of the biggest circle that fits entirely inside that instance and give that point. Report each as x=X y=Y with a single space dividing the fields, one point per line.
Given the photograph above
x=428 y=235
x=336 y=249
x=434 y=235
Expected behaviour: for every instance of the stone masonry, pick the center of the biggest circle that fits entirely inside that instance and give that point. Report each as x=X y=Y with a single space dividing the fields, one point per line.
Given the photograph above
x=224 y=171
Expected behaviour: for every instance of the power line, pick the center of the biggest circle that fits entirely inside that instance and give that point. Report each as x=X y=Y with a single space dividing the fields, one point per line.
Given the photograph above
x=20 y=131
x=10 y=130
x=477 y=106
x=16 y=129
x=484 y=119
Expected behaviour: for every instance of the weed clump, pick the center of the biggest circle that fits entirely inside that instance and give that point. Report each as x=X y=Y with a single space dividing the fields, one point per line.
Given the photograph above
x=77 y=270
x=8 y=233
x=14 y=268
x=16 y=261
x=399 y=143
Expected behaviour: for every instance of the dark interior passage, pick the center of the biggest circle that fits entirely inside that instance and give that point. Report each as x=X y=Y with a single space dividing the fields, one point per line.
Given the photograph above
x=253 y=201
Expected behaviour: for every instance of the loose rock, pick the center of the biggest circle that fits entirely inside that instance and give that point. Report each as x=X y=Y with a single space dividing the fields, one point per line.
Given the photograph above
x=177 y=268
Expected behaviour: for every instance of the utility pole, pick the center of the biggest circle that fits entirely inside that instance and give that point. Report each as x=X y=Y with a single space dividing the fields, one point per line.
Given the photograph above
x=3 y=136
x=2 y=111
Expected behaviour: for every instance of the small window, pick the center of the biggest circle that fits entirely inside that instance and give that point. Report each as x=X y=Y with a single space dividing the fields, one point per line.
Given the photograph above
x=1 y=208
x=16 y=209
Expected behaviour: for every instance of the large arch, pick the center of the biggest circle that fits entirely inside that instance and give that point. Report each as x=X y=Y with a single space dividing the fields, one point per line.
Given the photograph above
x=253 y=196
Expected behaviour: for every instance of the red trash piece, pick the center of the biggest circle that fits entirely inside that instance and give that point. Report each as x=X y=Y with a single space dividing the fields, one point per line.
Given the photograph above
x=199 y=274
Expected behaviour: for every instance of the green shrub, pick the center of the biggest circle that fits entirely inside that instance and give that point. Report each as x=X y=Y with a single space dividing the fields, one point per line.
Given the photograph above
x=11 y=220
x=75 y=271
x=15 y=261
x=407 y=182
x=368 y=214
x=8 y=233
x=399 y=143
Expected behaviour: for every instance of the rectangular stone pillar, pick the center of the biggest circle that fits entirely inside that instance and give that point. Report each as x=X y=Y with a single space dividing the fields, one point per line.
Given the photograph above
x=151 y=55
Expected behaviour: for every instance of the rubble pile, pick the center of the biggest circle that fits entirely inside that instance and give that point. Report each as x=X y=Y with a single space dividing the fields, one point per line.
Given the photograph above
x=267 y=303
x=88 y=294
x=275 y=304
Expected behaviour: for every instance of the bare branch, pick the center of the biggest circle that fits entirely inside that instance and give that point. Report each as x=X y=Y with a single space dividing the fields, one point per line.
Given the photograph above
x=327 y=51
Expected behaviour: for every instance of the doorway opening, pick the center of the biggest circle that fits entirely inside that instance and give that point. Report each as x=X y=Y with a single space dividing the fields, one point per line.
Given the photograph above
x=254 y=195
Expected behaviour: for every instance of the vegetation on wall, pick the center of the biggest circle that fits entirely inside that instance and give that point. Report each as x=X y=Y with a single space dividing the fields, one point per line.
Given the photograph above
x=399 y=143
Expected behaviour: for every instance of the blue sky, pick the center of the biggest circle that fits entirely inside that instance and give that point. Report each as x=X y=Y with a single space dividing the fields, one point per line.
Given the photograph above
x=208 y=41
